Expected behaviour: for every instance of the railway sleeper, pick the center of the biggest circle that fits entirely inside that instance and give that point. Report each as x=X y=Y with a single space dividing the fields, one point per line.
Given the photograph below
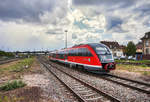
x=79 y=86
x=81 y=89
x=93 y=99
x=88 y=95
x=85 y=91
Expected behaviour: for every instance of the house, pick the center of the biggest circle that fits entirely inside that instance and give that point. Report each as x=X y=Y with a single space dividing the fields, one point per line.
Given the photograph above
x=117 y=50
x=139 y=51
x=146 y=46
x=139 y=47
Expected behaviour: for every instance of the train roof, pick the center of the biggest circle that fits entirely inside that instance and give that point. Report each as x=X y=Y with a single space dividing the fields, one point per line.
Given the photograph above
x=96 y=44
x=91 y=44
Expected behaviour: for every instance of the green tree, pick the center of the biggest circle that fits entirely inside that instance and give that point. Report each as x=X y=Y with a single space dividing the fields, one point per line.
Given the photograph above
x=130 y=49
x=8 y=54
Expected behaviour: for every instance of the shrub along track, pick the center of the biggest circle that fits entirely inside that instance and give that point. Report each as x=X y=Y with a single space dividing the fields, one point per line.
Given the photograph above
x=81 y=89
x=131 y=63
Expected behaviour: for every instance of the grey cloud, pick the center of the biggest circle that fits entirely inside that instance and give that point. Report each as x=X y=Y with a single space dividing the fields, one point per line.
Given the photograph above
x=144 y=8
x=28 y=10
x=74 y=36
x=124 y=3
x=129 y=37
x=113 y=22
x=54 y=31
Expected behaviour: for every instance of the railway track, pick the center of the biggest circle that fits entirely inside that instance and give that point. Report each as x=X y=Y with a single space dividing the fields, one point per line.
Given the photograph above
x=7 y=61
x=81 y=89
x=133 y=84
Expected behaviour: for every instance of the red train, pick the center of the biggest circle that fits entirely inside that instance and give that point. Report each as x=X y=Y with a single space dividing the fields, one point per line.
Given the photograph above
x=94 y=57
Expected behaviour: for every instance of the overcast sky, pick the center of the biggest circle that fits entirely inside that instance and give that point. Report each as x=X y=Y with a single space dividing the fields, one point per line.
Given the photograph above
x=41 y=24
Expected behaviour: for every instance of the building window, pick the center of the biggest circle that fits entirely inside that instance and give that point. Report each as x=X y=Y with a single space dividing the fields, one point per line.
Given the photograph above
x=147 y=43
x=110 y=46
x=146 y=36
x=115 y=54
x=147 y=51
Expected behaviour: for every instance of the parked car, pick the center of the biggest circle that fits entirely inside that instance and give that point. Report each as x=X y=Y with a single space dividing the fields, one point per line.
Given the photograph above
x=116 y=58
x=123 y=57
x=131 y=58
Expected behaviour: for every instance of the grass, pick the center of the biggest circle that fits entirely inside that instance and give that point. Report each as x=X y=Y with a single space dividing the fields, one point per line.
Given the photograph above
x=143 y=69
x=10 y=99
x=133 y=61
x=17 y=67
x=12 y=85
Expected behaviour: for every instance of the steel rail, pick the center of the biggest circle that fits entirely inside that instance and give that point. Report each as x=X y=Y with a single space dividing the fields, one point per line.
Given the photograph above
x=138 y=82
x=7 y=61
x=77 y=95
x=108 y=96
x=125 y=84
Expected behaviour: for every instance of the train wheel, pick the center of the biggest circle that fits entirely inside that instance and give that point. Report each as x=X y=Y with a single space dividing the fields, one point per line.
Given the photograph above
x=70 y=65
x=81 y=68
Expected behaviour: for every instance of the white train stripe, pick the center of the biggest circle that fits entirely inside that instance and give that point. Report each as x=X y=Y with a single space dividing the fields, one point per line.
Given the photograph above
x=80 y=63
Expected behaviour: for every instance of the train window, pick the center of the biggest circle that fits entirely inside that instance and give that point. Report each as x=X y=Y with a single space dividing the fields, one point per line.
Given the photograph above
x=83 y=52
x=68 y=52
x=89 y=53
x=102 y=50
x=76 y=52
x=71 y=52
x=86 y=52
x=80 y=52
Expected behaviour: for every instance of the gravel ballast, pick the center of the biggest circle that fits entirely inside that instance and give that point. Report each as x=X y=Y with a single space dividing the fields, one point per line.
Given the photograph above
x=123 y=93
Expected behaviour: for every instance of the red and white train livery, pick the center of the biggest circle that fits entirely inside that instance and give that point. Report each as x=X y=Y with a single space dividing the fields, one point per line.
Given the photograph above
x=92 y=57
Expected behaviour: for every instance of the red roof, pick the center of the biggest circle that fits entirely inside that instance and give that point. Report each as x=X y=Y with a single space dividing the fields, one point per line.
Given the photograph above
x=112 y=44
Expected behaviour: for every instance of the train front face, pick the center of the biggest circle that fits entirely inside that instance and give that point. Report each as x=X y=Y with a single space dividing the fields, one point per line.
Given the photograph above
x=105 y=56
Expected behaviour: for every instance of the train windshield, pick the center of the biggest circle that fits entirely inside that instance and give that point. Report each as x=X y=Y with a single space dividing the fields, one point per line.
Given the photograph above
x=104 y=54
x=102 y=50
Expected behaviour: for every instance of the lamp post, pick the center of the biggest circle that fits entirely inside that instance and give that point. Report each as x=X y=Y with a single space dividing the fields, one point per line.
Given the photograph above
x=66 y=38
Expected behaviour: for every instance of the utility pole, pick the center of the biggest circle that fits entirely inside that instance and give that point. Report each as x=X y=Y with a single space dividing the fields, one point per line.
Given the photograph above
x=66 y=38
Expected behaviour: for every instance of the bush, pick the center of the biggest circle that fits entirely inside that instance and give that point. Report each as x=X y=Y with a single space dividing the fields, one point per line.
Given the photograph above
x=144 y=65
x=10 y=99
x=12 y=85
x=8 y=54
x=145 y=73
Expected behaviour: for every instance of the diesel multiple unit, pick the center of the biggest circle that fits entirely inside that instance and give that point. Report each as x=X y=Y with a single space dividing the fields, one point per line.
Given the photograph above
x=92 y=57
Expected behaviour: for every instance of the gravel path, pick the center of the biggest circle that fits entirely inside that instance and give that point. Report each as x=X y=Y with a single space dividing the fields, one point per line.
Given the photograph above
x=123 y=93
x=52 y=88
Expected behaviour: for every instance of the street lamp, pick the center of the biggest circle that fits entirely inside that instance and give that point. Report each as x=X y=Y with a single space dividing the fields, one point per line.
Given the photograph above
x=66 y=38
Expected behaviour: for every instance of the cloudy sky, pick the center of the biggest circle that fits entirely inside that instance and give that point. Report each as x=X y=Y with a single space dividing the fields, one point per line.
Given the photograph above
x=41 y=24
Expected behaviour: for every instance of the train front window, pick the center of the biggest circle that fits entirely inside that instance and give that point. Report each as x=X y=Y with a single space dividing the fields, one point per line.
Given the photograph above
x=102 y=50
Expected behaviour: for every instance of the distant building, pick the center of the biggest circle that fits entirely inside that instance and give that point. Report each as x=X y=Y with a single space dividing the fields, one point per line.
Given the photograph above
x=146 y=46
x=139 y=51
x=116 y=49
x=139 y=47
